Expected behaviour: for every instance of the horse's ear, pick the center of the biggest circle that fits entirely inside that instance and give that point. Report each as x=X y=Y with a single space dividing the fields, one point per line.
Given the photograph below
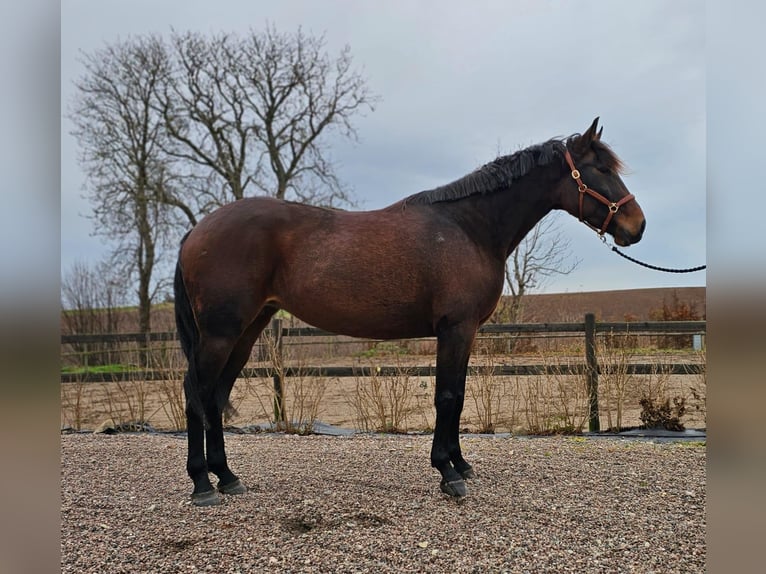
x=582 y=143
x=600 y=131
x=592 y=132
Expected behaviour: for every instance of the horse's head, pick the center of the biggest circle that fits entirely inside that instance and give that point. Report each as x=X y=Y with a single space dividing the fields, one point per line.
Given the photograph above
x=593 y=191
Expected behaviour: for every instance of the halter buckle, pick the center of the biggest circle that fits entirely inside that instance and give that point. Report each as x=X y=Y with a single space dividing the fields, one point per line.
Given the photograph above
x=613 y=207
x=575 y=174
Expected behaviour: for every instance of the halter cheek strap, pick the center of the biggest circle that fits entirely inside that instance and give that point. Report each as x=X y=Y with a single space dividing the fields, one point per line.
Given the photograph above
x=614 y=207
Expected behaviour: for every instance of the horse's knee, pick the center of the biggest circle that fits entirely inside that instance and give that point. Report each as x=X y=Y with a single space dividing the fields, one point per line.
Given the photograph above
x=445 y=400
x=450 y=403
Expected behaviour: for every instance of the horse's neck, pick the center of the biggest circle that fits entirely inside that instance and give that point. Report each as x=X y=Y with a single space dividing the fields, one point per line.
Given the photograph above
x=501 y=219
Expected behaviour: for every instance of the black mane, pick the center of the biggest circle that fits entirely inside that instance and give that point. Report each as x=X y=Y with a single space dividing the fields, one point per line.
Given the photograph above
x=503 y=171
x=495 y=175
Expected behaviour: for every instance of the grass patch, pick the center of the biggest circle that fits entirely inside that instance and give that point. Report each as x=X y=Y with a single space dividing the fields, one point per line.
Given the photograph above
x=692 y=444
x=114 y=368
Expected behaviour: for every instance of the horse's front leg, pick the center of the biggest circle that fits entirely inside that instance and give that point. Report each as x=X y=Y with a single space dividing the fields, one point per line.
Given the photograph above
x=453 y=349
x=455 y=453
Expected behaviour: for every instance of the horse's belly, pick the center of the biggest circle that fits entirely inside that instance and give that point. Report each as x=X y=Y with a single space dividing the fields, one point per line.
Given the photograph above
x=362 y=316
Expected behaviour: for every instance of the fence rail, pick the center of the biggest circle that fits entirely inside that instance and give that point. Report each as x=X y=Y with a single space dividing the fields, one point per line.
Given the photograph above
x=642 y=327
x=362 y=371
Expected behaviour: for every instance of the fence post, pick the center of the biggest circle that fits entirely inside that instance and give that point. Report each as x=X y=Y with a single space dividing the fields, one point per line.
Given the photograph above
x=591 y=372
x=279 y=398
x=147 y=355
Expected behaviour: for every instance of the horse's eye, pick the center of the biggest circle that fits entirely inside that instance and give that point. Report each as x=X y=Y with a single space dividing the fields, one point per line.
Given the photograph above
x=603 y=169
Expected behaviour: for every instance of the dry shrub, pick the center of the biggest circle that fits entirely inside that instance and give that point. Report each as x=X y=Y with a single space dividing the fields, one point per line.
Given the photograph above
x=614 y=355
x=490 y=393
x=385 y=401
x=571 y=399
x=698 y=389
x=173 y=401
x=665 y=407
x=259 y=394
x=127 y=403
x=129 y=400
x=662 y=415
x=556 y=403
x=296 y=408
x=539 y=401
x=304 y=396
x=73 y=401
x=656 y=410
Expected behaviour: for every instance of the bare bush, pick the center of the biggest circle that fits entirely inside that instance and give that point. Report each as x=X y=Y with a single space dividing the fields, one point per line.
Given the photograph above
x=258 y=394
x=173 y=401
x=614 y=356
x=662 y=414
x=73 y=403
x=304 y=399
x=554 y=404
x=297 y=397
x=538 y=400
x=655 y=384
x=571 y=399
x=698 y=389
x=656 y=410
x=127 y=402
x=384 y=401
x=490 y=393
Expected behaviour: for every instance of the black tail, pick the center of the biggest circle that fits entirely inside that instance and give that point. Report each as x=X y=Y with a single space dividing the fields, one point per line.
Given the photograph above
x=188 y=333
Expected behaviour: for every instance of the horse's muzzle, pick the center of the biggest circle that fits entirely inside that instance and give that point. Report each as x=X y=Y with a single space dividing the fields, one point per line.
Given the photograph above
x=625 y=236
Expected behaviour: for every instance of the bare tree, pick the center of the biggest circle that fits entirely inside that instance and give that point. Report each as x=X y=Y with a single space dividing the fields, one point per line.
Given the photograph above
x=252 y=113
x=209 y=128
x=544 y=252
x=120 y=137
x=170 y=130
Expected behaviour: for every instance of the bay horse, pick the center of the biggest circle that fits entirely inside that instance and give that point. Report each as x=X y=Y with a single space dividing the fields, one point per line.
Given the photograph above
x=430 y=265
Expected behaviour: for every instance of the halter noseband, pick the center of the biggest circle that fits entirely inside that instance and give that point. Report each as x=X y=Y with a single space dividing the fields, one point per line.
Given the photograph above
x=583 y=189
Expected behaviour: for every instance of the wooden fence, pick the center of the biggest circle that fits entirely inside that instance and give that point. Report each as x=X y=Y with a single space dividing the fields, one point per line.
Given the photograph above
x=589 y=368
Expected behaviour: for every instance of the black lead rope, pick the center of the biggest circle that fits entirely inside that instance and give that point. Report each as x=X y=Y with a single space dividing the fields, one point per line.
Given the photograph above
x=665 y=269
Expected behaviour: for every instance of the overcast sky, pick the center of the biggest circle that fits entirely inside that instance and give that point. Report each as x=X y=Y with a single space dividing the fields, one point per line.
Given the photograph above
x=463 y=81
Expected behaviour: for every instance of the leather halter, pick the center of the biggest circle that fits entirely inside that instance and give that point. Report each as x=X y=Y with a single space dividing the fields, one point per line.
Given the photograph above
x=583 y=189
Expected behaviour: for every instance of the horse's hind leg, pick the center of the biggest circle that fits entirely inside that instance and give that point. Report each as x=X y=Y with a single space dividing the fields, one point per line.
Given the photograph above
x=210 y=359
x=228 y=483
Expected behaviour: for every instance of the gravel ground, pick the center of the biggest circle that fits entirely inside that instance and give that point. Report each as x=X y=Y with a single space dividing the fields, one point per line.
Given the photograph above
x=372 y=504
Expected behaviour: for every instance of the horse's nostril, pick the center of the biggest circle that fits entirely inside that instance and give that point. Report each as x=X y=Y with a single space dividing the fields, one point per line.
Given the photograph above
x=643 y=226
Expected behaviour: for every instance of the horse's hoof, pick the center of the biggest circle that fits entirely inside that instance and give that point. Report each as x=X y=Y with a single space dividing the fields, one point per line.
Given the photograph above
x=468 y=473
x=208 y=498
x=235 y=487
x=454 y=488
